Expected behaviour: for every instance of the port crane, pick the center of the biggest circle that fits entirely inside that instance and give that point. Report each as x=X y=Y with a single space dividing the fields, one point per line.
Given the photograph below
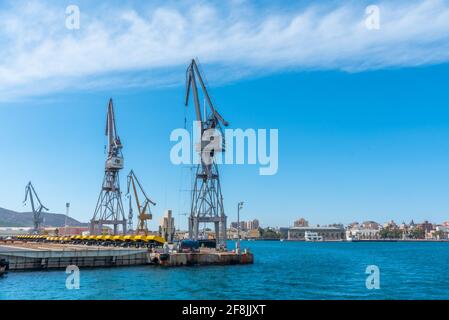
x=143 y=208
x=207 y=199
x=31 y=195
x=109 y=208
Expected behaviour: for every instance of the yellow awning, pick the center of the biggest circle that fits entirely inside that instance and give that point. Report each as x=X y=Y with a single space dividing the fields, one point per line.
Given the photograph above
x=155 y=239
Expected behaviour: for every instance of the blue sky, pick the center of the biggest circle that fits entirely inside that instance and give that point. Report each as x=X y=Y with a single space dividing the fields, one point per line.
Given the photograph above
x=362 y=121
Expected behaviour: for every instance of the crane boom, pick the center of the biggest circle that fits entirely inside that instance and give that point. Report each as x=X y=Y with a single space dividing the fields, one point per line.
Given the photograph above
x=216 y=118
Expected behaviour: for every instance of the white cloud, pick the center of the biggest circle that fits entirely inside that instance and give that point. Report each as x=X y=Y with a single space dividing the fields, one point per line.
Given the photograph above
x=113 y=46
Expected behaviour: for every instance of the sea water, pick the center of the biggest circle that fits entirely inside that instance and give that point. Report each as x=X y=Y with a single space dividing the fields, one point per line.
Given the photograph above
x=282 y=270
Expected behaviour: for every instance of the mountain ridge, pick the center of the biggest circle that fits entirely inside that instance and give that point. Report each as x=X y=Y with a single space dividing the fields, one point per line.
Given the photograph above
x=10 y=218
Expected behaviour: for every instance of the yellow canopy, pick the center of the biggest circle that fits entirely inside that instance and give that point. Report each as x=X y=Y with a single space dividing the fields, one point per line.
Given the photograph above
x=128 y=238
x=155 y=239
x=117 y=238
x=139 y=238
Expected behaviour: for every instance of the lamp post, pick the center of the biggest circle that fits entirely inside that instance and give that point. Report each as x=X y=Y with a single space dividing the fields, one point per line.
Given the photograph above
x=239 y=206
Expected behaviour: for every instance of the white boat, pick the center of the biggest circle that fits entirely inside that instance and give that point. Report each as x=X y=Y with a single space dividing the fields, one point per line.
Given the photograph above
x=312 y=236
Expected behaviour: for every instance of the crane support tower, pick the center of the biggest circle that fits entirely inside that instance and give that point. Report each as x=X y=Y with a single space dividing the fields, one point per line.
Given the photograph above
x=207 y=200
x=143 y=208
x=109 y=209
x=30 y=194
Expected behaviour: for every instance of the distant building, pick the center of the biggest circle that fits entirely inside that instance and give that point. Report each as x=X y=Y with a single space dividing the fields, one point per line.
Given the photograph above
x=167 y=226
x=363 y=234
x=390 y=225
x=301 y=223
x=443 y=231
x=368 y=230
x=256 y=224
x=372 y=225
x=426 y=226
x=252 y=225
x=246 y=225
x=283 y=232
x=328 y=233
x=71 y=231
x=14 y=231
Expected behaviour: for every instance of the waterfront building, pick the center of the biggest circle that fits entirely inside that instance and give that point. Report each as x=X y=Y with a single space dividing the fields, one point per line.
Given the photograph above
x=363 y=234
x=253 y=234
x=442 y=231
x=390 y=225
x=328 y=233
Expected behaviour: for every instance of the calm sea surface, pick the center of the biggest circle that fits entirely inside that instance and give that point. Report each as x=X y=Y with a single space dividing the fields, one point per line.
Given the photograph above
x=282 y=270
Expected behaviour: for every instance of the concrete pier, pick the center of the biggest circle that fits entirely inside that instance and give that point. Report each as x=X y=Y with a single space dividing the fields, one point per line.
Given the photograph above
x=42 y=256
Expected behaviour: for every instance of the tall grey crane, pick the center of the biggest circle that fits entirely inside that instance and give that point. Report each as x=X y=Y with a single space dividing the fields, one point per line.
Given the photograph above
x=30 y=194
x=207 y=199
x=109 y=209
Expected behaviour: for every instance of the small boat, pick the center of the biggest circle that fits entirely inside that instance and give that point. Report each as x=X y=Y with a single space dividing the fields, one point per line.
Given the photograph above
x=4 y=266
x=312 y=237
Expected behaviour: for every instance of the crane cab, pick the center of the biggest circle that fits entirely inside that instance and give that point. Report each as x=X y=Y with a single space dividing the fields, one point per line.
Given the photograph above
x=114 y=163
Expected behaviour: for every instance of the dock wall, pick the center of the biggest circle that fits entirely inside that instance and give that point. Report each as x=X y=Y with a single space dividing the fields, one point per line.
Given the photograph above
x=32 y=260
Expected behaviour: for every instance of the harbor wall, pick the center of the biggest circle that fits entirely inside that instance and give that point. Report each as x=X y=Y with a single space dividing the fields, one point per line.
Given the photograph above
x=41 y=260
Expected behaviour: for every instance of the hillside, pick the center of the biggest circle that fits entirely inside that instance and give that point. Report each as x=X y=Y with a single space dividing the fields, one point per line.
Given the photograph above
x=9 y=218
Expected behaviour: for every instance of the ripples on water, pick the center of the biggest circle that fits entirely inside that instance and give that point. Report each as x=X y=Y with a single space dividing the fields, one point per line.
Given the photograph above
x=282 y=270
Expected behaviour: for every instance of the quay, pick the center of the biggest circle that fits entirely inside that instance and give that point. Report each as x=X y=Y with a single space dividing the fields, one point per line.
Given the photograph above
x=203 y=258
x=45 y=256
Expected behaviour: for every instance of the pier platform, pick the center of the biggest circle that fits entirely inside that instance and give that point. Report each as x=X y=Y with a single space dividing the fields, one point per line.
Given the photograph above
x=203 y=258
x=42 y=256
